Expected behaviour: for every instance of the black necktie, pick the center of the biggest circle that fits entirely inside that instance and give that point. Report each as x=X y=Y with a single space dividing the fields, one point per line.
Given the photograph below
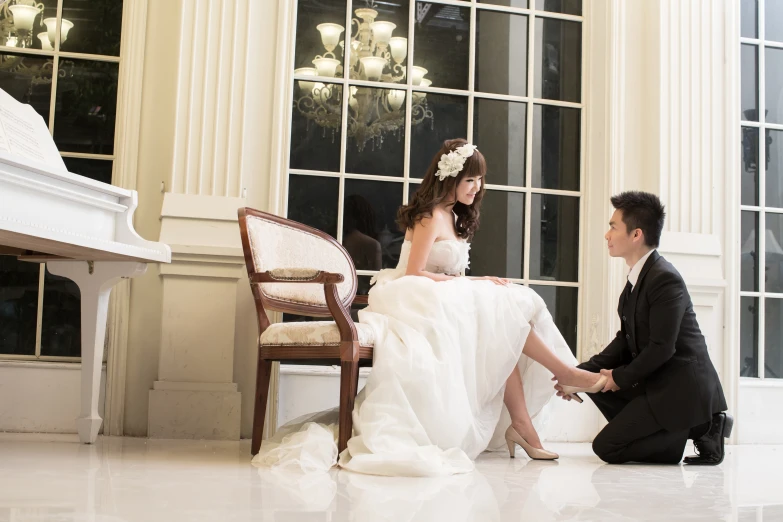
x=628 y=290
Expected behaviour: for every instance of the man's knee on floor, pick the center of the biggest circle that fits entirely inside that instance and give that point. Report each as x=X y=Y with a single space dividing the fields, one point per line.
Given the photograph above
x=606 y=451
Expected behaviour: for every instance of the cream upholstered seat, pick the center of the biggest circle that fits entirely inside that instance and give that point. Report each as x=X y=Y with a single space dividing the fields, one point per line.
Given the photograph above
x=315 y=333
x=297 y=269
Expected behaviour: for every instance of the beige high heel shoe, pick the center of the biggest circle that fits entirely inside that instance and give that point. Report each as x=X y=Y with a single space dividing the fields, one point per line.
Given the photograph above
x=513 y=438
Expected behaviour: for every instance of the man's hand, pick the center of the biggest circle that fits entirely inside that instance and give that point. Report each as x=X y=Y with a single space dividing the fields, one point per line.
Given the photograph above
x=610 y=386
x=560 y=391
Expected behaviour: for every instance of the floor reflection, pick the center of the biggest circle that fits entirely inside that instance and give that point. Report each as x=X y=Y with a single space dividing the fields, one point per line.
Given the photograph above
x=150 y=480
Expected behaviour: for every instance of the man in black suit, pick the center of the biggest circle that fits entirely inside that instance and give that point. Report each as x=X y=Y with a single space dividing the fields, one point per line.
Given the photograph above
x=661 y=388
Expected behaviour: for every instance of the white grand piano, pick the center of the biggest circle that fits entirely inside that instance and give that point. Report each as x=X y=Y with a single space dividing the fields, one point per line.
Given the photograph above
x=82 y=229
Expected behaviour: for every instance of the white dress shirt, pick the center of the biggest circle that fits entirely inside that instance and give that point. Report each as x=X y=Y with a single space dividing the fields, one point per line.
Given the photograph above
x=633 y=275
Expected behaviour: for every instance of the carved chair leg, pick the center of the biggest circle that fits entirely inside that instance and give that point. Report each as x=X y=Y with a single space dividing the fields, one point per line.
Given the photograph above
x=349 y=378
x=259 y=410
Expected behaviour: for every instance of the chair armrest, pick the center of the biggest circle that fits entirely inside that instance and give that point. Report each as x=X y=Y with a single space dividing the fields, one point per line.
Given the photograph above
x=296 y=275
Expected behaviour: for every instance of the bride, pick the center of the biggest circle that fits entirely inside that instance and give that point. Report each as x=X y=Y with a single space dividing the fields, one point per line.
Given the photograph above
x=450 y=351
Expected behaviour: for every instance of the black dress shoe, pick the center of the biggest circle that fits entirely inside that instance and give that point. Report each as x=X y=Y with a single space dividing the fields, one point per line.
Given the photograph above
x=710 y=446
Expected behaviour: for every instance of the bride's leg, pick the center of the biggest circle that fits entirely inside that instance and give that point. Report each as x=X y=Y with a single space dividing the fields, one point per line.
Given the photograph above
x=565 y=374
x=514 y=398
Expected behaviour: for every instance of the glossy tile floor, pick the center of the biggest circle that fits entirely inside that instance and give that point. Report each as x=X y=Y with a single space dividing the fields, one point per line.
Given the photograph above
x=121 y=479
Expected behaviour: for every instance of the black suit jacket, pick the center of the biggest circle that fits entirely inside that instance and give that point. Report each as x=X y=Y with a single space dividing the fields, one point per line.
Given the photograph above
x=661 y=348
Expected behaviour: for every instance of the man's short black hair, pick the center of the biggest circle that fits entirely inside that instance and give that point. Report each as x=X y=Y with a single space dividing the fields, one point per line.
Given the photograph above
x=642 y=210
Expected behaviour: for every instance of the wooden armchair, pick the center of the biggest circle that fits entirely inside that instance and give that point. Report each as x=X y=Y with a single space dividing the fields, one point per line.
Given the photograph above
x=297 y=269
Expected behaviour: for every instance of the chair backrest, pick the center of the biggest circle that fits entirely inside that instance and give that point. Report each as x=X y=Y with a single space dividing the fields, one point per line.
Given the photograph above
x=271 y=242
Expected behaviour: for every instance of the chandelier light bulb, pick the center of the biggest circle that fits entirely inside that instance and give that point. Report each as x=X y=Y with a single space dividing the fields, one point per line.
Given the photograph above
x=373 y=67
x=399 y=48
x=51 y=27
x=304 y=84
x=46 y=44
x=326 y=66
x=417 y=74
x=330 y=35
x=24 y=16
x=352 y=102
x=11 y=41
x=382 y=32
x=396 y=99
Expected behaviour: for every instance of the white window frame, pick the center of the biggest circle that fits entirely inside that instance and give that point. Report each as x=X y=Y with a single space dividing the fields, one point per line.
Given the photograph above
x=761 y=210
x=281 y=150
x=56 y=55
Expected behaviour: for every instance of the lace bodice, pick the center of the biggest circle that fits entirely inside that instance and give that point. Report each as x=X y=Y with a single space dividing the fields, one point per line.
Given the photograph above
x=449 y=256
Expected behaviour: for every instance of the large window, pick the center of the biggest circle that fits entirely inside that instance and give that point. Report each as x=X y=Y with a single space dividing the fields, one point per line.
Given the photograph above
x=378 y=86
x=62 y=58
x=761 y=285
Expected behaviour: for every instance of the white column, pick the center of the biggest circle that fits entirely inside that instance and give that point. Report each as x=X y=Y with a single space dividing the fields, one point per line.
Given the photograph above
x=665 y=120
x=195 y=395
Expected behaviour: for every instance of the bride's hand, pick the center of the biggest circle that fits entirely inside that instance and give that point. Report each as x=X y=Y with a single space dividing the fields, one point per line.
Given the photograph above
x=497 y=280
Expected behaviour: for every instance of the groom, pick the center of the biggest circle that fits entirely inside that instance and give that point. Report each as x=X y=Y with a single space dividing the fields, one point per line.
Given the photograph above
x=662 y=388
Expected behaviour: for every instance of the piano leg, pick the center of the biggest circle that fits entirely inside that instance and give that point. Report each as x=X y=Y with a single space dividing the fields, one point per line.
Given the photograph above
x=95 y=281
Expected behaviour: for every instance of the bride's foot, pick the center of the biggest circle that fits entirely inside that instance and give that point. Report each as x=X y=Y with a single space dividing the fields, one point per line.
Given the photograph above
x=528 y=439
x=578 y=378
x=578 y=381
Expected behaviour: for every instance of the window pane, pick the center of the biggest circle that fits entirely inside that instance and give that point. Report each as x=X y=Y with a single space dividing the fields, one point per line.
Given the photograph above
x=773 y=109
x=572 y=7
x=750 y=155
x=773 y=20
x=449 y=120
x=554 y=241
x=96 y=27
x=774 y=158
x=309 y=42
x=509 y=3
x=558 y=60
x=442 y=44
x=61 y=320
x=773 y=340
x=501 y=53
x=99 y=170
x=370 y=232
x=499 y=132
x=315 y=126
x=376 y=132
x=773 y=257
x=749 y=18
x=498 y=247
x=749 y=332
x=562 y=304
x=749 y=247
x=28 y=79
x=86 y=106
x=750 y=97
x=312 y=200
x=556 y=147
x=18 y=305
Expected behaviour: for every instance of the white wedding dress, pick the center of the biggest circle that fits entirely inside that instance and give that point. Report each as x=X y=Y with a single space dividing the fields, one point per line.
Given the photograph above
x=434 y=398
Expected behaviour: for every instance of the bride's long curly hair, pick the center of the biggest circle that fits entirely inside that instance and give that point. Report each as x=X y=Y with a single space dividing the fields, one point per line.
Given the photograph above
x=433 y=192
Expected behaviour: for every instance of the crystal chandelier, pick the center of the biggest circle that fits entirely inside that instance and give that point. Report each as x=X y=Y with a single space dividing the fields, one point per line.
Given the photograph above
x=375 y=55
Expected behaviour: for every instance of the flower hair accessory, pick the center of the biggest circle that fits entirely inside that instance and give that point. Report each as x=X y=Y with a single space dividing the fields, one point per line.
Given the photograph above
x=452 y=163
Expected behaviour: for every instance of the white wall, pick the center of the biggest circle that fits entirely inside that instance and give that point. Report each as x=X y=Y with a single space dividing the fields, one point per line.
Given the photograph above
x=38 y=397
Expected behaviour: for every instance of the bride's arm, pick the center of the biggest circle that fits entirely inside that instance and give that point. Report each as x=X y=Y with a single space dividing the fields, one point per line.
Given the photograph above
x=424 y=235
